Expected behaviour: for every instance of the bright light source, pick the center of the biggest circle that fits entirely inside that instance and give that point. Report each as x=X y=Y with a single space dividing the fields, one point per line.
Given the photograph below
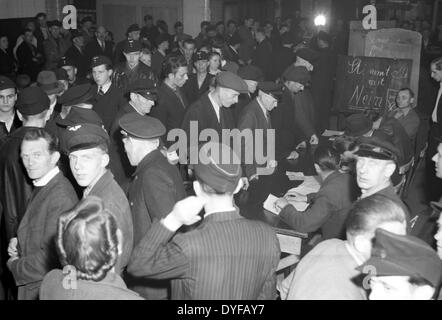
x=320 y=20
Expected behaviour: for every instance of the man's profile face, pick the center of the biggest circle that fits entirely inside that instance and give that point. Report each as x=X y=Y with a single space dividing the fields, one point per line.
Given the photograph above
x=435 y=73
x=71 y=71
x=228 y=97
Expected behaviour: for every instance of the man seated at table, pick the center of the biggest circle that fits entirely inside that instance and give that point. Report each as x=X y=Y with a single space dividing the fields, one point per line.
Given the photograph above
x=330 y=205
x=328 y=272
x=402 y=267
x=227 y=256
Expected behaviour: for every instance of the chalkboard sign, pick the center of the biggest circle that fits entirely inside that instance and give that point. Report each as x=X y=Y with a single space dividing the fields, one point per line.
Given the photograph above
x=369 y=84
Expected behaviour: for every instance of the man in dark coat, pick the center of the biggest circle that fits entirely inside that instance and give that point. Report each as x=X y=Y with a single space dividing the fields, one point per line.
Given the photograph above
x=7 y=61
x=55 y=46
x=143 y=96
x=149 y=31
x=209 y=262
x=30 y=60
x=71 y=69
x=156 y=184
x=109 y=99
x=88 y=143
x=132 y=70
x=9 y=120
x=162 y=43
x=32 y=253
x=98 y=46
x=252 y=75
x=247 y=40
x=32 y=108
x=78 y=55
x=283 y=56
x=261 y=57
x=133 y=34
x=199 y=82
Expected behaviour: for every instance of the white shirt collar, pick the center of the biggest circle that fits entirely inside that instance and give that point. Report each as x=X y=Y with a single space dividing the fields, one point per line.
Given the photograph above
x=45 y=179
x=8 y=123
x=262 y=108
x=215 y=106
x=106 y=87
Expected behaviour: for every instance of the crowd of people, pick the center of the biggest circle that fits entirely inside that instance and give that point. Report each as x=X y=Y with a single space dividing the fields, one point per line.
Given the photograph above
x=96 y=203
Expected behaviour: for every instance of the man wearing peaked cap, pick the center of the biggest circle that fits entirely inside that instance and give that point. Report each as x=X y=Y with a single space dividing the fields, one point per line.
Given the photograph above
x=81 y=95
x=88 y=150
x=132 y=70
x=109 y=99
x=33 y=110
x=133 y=33
x=256 y=116
x=223 y=236
x=375 y=164
x=402 y=267
x=71 y=68
x=77 y=52
x=212 y=110
x=156 y=184
x=9 y=120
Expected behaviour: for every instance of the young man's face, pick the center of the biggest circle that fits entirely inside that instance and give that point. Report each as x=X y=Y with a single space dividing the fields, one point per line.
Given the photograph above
x=8 y=97
x=394 y=288
x=269 y=102
x=37 y=159
x=87 y=165
x=189 y=50
x=436 y=74
x=180 y=77
x=372 y=172
x=132 y=58
x=101 y=74
x=201 y=66
x=404 y=99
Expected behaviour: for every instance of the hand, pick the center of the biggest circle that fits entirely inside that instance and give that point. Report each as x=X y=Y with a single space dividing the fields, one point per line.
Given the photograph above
x=281 y=203
x=293 y=155
x=185 y=212
x=295 y=196
x=314 y=139
x=172 y=157
x=302 y=145
x=272 y=164
x=9 y=262
x=245 y=183
x=12 y=248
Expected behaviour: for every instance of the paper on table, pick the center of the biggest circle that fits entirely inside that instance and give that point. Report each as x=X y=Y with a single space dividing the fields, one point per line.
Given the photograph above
x=331 y=133
x=310 y=185
x=269 y=205
x=295 y=176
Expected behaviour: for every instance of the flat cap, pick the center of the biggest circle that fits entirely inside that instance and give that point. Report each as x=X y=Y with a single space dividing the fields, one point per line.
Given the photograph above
x=227 y=79
x=271 y=88
x=308 y=55
x=78 y=116
x=219 y=167
x=357 y=125
x=66 y=62
x=142 y=127
x=145 y=87
x=250 y=72
x=83 y=93
x=399 y=255
x=6 y=83
x=47 y=80
x=200 y=55
x=85 y=136
x=32 y=101
x=132 y=46
x=376 y=147
x=100 y=60
x=297 y=74
x=133 y=27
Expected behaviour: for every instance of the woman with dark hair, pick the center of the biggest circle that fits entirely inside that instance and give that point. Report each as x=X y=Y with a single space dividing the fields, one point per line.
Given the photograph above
x=88 y=243
x=330 y=205
x=214 y=63
x=172 y=103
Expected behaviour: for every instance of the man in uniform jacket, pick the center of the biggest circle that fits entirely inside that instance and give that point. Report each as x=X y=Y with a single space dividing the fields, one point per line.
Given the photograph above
x=98 y=46
x=78 y=55
x=7 y=61
x=109 y=99
x=33 y=253
x=33 y=109
x=55 y=46
x=132 y=70
x=9 y=120
x=156 y=184
x=89 y=141
x=143 y=96
x=226 y=257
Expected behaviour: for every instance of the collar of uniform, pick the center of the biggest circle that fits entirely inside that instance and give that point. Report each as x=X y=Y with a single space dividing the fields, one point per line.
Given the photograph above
x=8 y=123
x=105 y=88
x=215 y=106
x=47 y=177
x=223 y=216
x=331 y=177
x=147 y=160
x=93 y=186
x=388 y=191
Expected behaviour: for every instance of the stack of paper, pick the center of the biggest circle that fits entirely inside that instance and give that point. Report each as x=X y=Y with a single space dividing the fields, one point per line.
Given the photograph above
x=269 y=205
x=332 y=133
x=295 y=176
x=310 y=185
